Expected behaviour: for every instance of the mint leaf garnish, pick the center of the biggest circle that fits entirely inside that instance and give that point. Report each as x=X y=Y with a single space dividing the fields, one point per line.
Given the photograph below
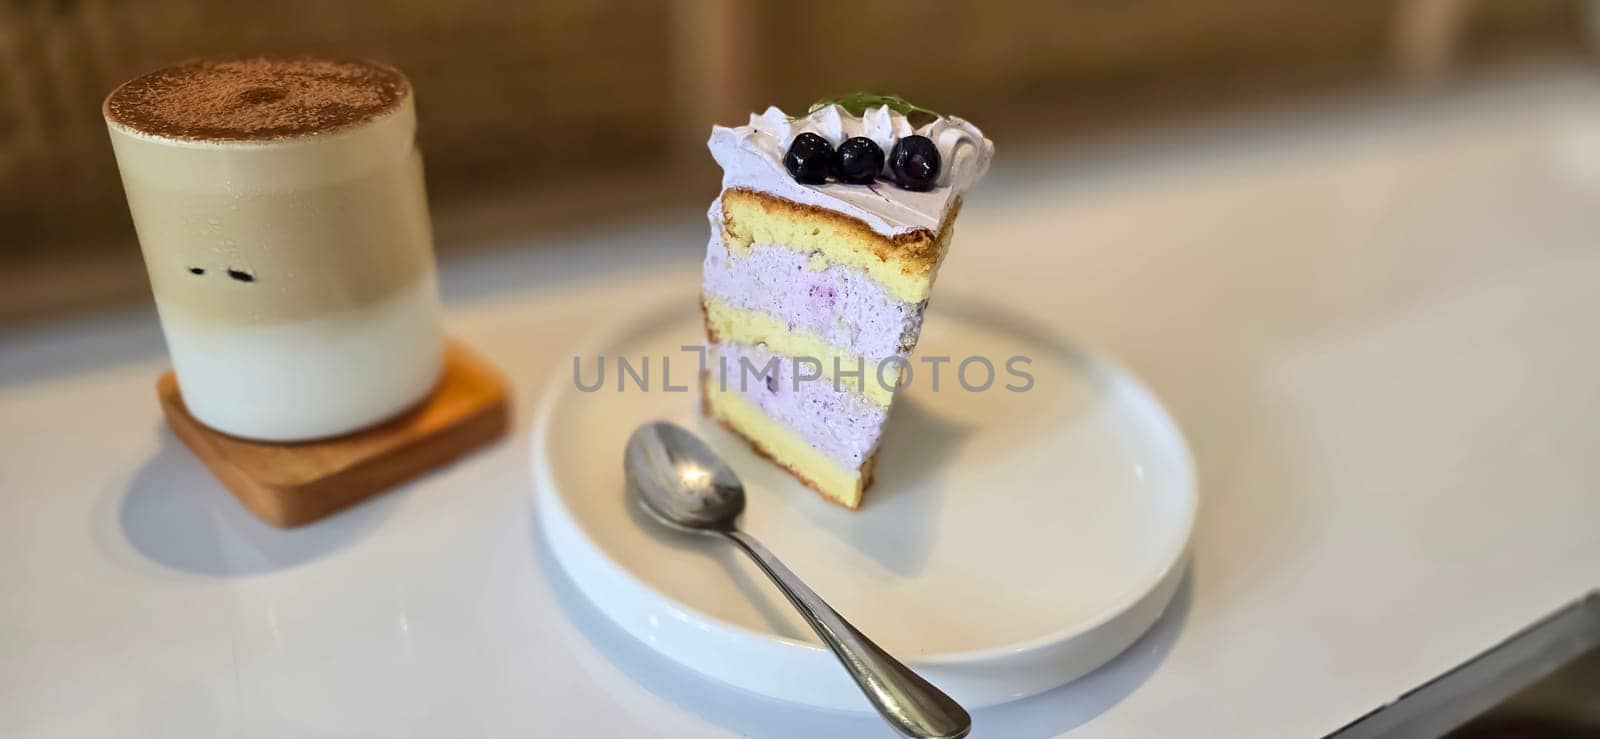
x=857 y=103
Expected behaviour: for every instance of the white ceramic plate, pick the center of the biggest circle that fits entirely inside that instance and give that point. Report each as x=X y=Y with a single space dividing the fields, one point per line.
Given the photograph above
x=1012 y=541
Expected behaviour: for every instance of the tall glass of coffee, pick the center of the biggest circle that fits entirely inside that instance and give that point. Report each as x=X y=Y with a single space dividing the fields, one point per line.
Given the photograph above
x=279 y=204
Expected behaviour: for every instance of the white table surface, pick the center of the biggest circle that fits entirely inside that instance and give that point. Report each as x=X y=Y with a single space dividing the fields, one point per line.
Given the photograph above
x=1379 y=326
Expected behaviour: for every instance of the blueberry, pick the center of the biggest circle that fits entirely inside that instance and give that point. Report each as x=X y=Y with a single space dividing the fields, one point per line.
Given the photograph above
x=809 y=159
x=915 y=163
x=858 y=161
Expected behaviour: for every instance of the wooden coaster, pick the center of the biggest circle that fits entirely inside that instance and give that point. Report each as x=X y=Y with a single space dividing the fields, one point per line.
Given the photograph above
x=292 y=484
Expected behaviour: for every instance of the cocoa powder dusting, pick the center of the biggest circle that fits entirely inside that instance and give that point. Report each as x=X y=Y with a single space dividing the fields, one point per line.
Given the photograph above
x=256 y=98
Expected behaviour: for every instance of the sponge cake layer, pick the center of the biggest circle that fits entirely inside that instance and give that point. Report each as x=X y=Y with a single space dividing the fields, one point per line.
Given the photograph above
x=905 y=264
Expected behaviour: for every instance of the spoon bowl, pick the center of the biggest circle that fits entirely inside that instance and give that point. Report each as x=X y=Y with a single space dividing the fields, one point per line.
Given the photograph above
x=680 y=481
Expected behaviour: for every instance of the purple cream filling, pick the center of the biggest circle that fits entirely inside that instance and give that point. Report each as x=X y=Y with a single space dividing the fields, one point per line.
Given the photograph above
x=840 y=424
x=845 y=307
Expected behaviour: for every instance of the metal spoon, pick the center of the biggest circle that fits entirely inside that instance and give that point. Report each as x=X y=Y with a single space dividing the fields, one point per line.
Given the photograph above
x=680 y=482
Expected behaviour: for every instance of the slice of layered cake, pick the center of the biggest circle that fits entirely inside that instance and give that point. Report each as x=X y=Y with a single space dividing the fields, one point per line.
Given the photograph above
x=824 y=246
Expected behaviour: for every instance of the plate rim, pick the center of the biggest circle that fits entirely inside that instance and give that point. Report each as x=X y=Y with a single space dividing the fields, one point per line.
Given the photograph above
x=1178 y=557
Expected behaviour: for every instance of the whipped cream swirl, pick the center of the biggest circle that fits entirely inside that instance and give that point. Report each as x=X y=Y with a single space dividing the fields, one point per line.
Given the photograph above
x=752 y=157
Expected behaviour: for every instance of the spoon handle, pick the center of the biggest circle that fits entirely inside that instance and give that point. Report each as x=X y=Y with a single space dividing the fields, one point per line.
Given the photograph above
x=913 y=706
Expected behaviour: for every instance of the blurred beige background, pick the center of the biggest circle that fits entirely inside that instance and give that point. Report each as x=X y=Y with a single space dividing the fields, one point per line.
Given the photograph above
x=537 y=115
